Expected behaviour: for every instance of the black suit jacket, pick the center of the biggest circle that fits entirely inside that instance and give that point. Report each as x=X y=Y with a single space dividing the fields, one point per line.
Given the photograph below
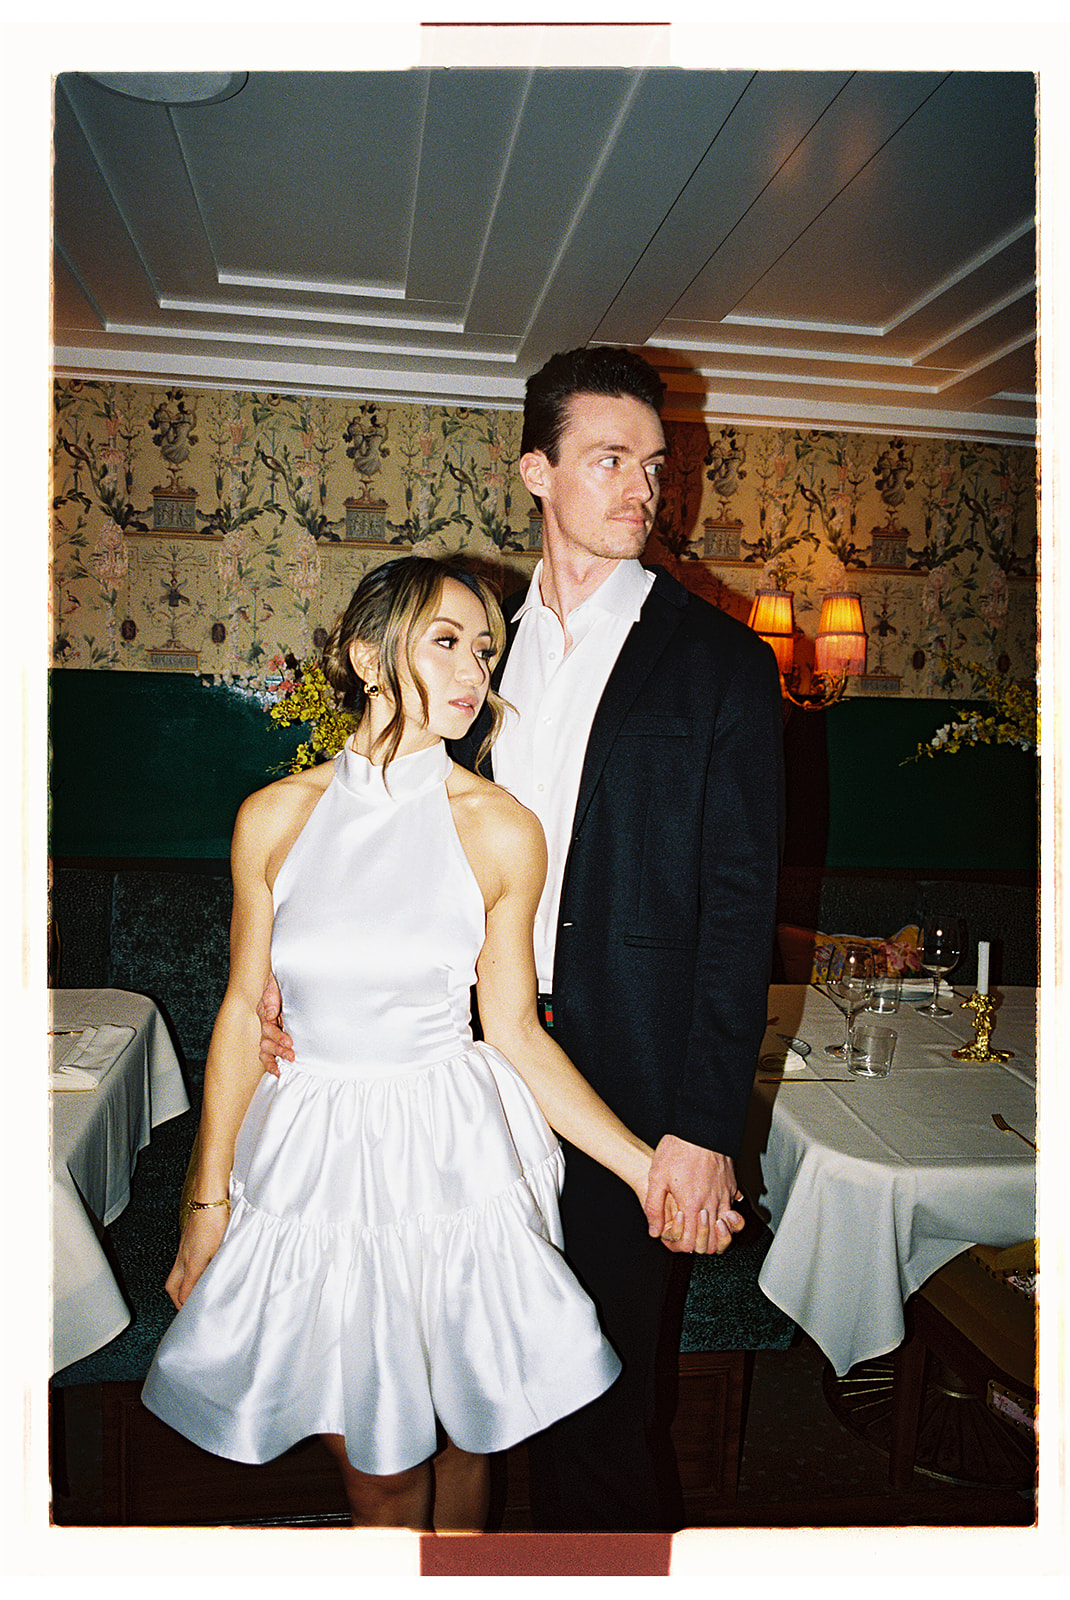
x=665 y=936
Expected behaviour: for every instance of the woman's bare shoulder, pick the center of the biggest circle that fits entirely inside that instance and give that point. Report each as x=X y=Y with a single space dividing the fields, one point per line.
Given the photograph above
x=496 y=815
x=269 y=821
x=278 y=802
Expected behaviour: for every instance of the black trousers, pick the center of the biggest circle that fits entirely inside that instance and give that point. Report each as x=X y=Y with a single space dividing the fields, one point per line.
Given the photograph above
x=604 y=1468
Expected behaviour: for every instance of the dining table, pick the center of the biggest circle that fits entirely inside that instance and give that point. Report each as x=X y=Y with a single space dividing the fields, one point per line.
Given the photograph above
x=114 y=1075
x=870 y=1185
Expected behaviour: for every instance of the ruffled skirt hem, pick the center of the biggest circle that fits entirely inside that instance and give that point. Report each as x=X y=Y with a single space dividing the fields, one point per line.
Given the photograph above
x=348 y=1315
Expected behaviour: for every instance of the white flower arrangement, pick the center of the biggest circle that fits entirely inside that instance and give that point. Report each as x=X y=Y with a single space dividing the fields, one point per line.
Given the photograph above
x=1012 y=719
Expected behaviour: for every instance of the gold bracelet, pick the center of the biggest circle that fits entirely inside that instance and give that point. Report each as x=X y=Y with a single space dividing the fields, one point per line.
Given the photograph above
x=206 y=1205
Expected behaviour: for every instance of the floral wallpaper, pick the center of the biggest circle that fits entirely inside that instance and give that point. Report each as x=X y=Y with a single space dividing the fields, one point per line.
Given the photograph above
x=218 y=533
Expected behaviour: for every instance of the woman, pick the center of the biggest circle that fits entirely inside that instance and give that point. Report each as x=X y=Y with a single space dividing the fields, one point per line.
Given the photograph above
x=389 y=1201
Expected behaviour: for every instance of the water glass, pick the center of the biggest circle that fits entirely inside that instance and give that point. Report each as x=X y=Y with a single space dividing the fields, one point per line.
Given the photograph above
x=872 y=1048
x=887 y=990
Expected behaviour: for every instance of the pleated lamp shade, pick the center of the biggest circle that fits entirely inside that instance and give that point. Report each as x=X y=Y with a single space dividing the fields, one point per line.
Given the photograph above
x=773 y=616
x=841 y=636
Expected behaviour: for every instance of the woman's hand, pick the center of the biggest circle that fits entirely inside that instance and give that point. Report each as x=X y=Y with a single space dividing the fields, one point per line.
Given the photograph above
x=670 y=1226
x=674 y=1226
x=201 y=1238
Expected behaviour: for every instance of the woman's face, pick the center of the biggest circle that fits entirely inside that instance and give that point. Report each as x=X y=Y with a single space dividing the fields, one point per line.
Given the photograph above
x=452 y=656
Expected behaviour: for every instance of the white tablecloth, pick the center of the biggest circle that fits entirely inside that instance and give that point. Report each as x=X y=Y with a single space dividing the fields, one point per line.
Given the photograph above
x=96 y=1137
x=871 y=1185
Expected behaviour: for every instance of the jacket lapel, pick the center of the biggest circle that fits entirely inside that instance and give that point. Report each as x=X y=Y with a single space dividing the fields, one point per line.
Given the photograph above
x=659 y=619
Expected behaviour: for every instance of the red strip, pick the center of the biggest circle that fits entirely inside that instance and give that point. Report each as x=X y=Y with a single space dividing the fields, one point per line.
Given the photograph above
x=624 y=1555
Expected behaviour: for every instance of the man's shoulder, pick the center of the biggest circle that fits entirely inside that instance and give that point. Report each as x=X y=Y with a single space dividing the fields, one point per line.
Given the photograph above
x=700 y=618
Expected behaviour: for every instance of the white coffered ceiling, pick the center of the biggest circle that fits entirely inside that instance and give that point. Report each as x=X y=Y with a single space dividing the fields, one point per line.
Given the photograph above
x=825 y=249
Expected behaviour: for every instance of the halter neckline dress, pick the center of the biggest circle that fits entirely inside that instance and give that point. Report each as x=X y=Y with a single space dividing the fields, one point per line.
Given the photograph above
x=393 y=1250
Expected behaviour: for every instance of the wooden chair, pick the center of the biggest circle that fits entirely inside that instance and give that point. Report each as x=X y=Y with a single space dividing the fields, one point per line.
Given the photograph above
x=983 y=1329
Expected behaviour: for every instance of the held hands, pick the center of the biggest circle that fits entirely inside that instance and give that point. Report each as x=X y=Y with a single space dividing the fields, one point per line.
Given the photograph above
x=674 y=1222
x=690 y=1198
x=273 y=1042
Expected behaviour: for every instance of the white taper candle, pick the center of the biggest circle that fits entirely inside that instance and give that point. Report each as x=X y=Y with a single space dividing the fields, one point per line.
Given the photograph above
x=982 y=967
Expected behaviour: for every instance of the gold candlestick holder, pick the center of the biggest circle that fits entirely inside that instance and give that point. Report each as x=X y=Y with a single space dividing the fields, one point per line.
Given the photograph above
x=984 y=1021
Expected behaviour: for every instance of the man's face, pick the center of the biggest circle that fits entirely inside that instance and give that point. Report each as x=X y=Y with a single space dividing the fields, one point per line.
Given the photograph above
x=600 y=497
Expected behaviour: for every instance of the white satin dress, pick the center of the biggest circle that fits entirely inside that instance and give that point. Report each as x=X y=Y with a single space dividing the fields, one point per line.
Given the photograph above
x=393 y=1249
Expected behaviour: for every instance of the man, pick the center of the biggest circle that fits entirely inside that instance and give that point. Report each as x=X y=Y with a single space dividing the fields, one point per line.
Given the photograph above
x=648 y=743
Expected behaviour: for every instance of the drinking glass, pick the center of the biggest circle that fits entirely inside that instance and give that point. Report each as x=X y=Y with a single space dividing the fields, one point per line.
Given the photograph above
x=872 y=1048
x=850 y=987
x=887 y=988
x=943 y=941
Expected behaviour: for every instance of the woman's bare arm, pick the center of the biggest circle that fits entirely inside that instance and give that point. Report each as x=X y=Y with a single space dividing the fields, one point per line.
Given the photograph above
x=509 y=856
x=233 y=1068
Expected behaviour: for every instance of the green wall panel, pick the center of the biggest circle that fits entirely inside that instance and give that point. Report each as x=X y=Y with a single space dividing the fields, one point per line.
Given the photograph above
x=156 y=764
x=975 y=810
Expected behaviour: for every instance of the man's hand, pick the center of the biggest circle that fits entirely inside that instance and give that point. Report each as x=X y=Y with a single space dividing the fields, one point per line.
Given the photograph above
x=698 y=1181
x=273 y=1042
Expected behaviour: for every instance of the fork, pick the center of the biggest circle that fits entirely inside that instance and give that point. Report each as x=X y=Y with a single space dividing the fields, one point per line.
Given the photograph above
x=1005 y=1127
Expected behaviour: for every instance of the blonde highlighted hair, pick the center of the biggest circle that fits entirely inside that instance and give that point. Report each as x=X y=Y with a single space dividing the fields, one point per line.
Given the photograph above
x=390 y=609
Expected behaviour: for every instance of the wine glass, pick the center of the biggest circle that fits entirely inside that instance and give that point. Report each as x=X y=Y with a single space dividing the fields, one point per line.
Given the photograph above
x=943 y=941
x=850 y=987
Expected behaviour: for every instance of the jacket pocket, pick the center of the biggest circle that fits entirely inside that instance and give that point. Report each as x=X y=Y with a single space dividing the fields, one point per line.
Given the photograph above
x=649 y=727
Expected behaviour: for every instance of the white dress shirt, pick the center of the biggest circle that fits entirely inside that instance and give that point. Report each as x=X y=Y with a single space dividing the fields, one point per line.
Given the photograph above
x=539 y=753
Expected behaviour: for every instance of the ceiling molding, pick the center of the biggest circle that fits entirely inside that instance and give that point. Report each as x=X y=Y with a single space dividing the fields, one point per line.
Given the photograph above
x=827 y=249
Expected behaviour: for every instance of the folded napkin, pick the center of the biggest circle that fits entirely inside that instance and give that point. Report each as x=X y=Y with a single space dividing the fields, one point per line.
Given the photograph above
x=777 y=1056
x=923 y=987
x=79 y=1060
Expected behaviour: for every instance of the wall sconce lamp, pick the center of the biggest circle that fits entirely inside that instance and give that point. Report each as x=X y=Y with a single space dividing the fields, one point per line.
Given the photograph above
x=839 y=651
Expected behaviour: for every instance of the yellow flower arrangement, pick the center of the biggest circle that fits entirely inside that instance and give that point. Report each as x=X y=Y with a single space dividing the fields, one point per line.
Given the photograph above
x=1012 y=720
x=310 y=698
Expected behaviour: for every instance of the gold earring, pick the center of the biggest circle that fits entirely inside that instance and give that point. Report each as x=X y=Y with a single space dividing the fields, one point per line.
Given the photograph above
x=371 y=689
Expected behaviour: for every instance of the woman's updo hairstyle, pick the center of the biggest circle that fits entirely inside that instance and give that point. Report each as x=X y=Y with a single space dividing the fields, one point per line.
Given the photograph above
x=392 y=606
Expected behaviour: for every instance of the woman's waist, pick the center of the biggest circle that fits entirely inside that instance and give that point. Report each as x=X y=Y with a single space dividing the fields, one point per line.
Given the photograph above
x=356 y=1035
x=376 y=1057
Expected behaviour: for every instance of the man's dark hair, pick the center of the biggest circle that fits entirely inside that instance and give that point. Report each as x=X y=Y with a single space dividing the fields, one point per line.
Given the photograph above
x=606 y=369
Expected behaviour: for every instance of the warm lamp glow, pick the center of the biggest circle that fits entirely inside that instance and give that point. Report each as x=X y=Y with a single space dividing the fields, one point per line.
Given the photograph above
x=773 y=617
x=841 y=636
x=840 y=647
